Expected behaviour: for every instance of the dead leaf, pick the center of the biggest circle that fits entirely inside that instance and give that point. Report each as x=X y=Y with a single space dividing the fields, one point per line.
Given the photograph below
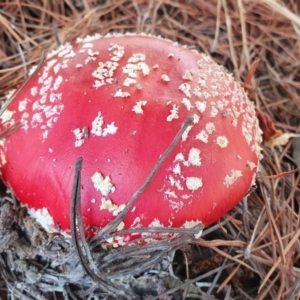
x=267 y=126
x=272 y=136
x=281 y=140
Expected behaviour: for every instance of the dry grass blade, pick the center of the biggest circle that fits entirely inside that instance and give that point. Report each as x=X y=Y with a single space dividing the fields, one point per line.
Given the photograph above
x=11 y=129
x=6 y=104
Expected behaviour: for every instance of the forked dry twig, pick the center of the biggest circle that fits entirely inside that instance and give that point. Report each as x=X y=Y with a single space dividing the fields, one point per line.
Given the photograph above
x=78 y=232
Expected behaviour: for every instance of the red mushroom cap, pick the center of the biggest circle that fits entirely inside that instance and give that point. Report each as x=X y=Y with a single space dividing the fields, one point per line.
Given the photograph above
x=118 y=101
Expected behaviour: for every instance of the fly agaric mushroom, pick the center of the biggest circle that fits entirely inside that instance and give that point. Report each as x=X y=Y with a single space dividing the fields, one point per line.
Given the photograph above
x=118 y=102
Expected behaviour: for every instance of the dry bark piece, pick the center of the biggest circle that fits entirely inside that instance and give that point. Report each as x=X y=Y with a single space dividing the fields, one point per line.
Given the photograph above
x=118 y=101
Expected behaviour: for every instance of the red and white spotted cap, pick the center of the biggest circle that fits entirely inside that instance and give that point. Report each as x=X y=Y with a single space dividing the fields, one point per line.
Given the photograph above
x=118 y=101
